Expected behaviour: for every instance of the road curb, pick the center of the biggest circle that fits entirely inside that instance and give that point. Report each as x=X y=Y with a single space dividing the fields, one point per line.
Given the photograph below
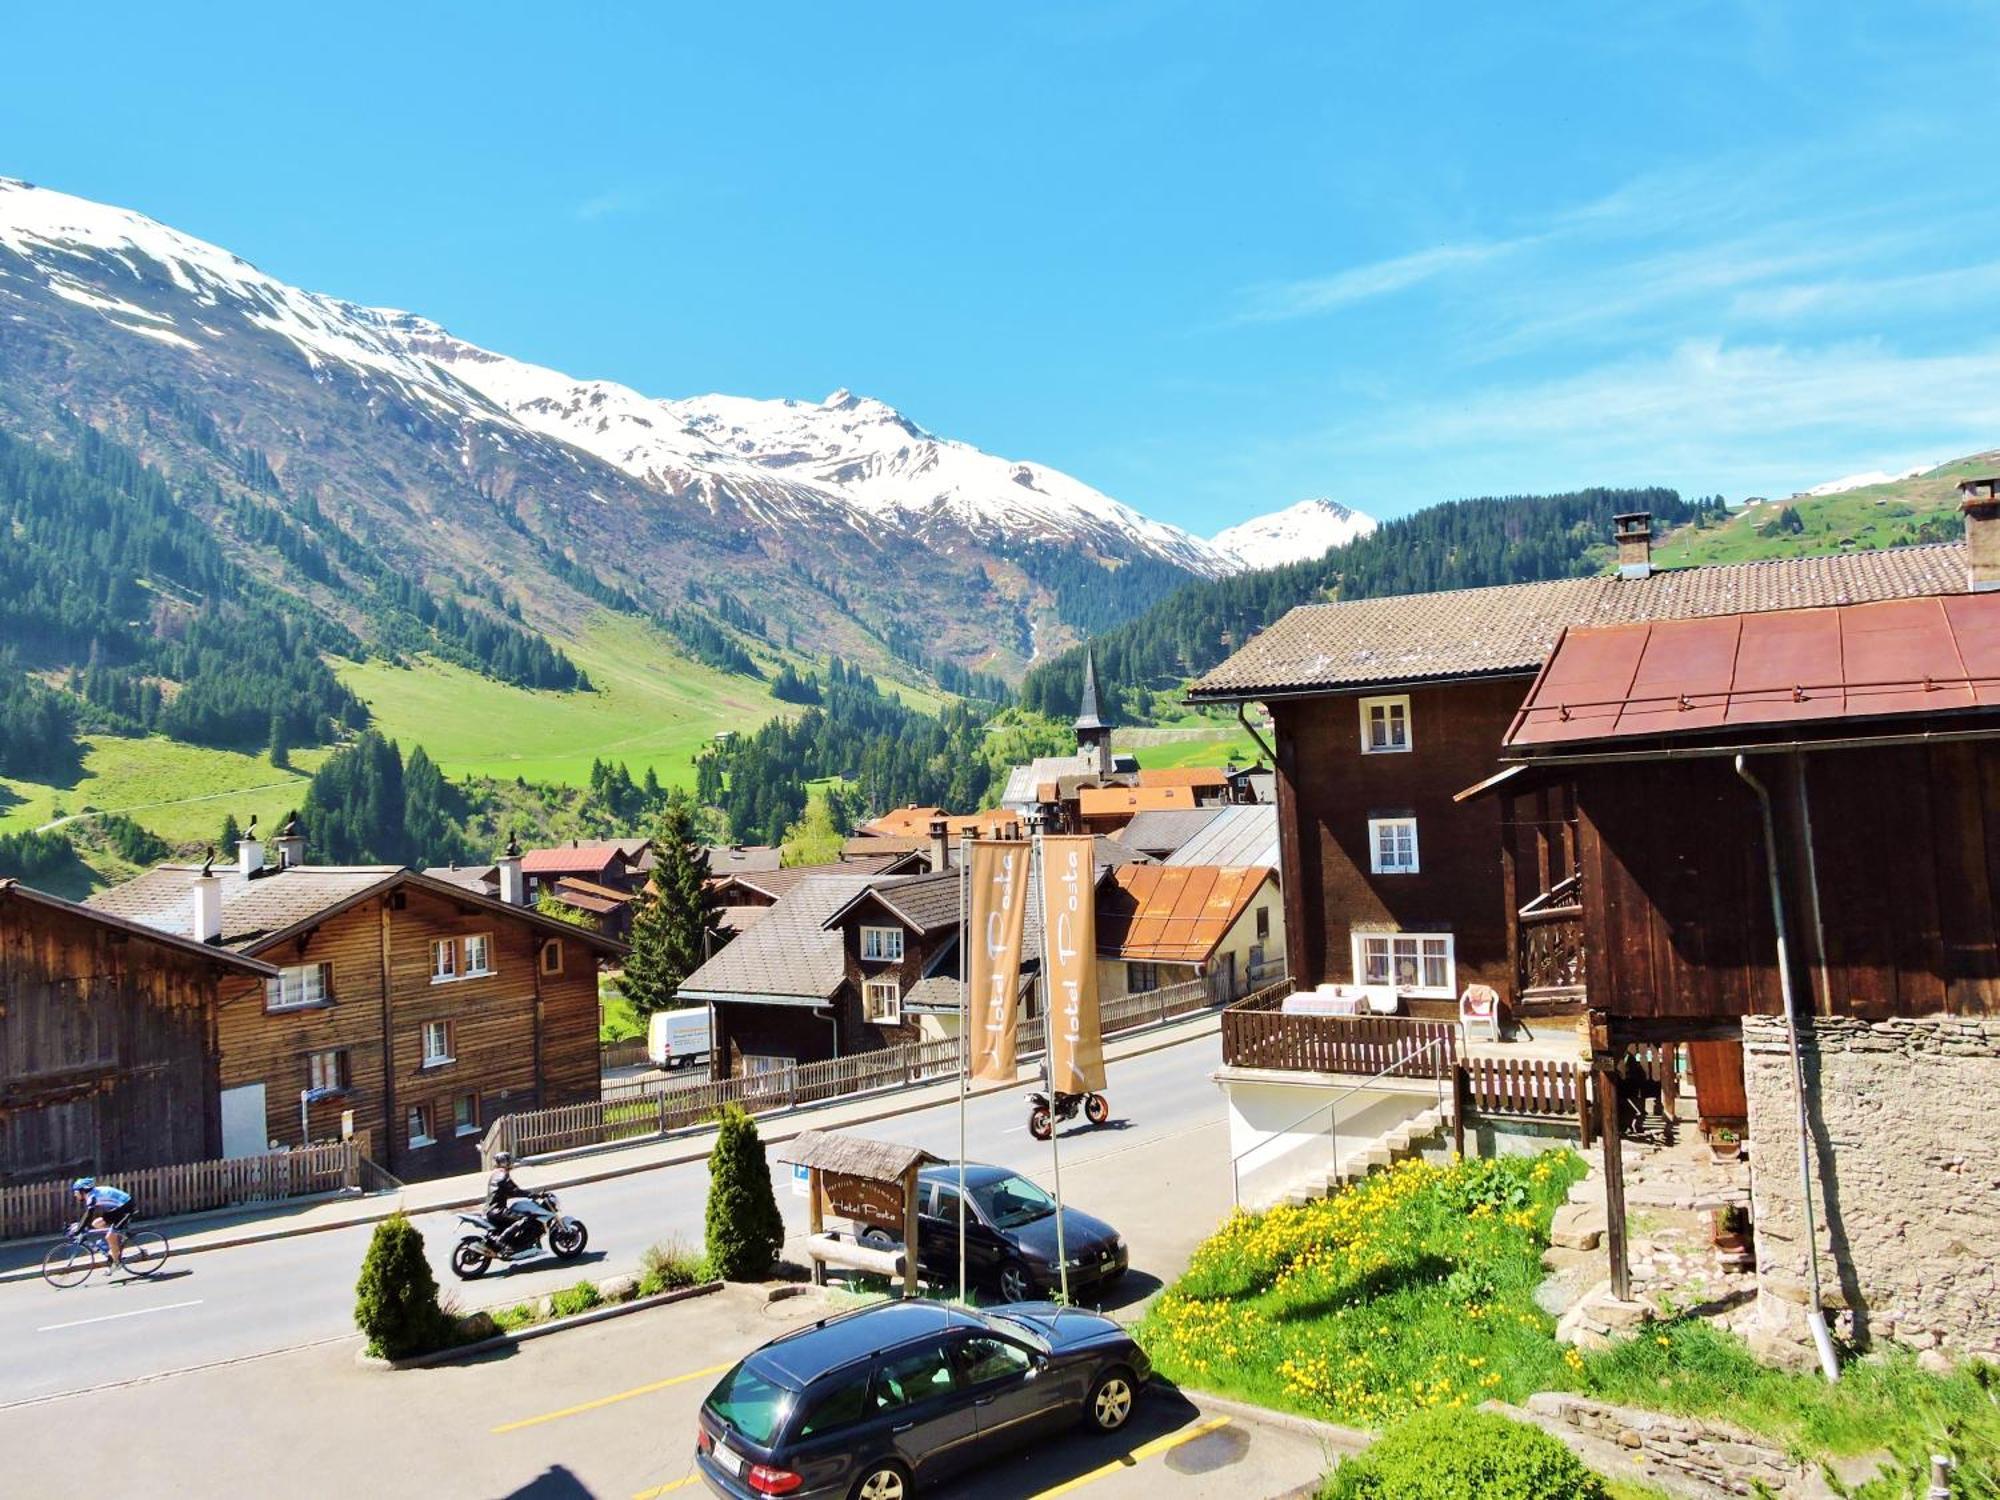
x=515 y=1336
x=1337 y=1438
x=1156 y=1038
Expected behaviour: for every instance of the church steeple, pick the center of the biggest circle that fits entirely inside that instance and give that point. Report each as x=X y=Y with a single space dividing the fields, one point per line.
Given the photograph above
x=1093 y=734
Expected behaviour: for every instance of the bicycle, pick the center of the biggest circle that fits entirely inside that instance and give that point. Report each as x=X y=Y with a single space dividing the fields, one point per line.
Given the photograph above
x=71 y=1263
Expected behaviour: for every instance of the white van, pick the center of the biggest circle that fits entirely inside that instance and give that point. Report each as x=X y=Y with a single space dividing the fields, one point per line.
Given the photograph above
x=678 y=1038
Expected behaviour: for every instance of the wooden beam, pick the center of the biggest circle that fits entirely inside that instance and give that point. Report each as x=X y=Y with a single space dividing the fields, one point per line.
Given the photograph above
x=910 y=1230
x=1637 y=1031
x=1459 y=1090
x=815 y=1220
x=1611 y=1130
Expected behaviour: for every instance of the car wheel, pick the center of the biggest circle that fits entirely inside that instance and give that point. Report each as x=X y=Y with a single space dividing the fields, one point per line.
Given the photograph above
x=878 y=1238
x=1015 y=1283
x=1110 y=1405
x=883 y=1482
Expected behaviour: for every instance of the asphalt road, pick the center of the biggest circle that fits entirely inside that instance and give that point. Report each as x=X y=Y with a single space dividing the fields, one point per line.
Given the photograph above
x=228 y=1304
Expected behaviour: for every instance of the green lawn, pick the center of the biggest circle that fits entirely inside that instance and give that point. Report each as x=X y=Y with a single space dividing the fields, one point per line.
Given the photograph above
x=1196 y=752
x=179 y=791
x=652 y=708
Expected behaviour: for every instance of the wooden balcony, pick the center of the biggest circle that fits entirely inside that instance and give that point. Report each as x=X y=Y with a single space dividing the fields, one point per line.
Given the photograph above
x=1548 y=972
x=1257 y=1034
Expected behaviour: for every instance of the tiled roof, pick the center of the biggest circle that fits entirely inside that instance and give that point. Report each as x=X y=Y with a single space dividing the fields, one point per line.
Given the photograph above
x=925 y=902
x=1024 y=782
x=484 y=879
x=1246 y=835
x=581 y=859
x=252 y=910
x=788 y=957
x=1194 y=776
x=178 y=941
x=576 y=884
x=1107 y=801
x=732 y=859
x=1165 y=830
x=1512 y=628
x=777 y=884
x=1172 y=913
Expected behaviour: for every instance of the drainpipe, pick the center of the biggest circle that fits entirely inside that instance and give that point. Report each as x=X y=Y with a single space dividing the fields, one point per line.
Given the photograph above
x=1829 y=1363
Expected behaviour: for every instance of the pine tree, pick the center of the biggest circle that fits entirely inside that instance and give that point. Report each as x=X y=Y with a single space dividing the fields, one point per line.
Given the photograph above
x=280 y=743
x=396 y=1299
x=232 y=834
x=675 y=927
x=744 y=1231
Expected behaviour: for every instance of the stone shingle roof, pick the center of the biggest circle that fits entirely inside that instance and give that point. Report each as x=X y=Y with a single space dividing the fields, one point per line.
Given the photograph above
x=252 y=910
x=1512 y=628
x=175 y=940
x=789 y=957
x=925 y=902
x=1164 y=831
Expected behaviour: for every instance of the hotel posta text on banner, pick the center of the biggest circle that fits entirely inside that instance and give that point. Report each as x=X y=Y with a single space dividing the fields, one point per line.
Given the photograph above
x=998 y=872
x=1069 y=935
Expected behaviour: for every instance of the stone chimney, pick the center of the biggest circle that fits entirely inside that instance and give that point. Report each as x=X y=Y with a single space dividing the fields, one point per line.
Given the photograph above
x=513 y=887
x=207 y=903
x=291 y=846
x=1979 y=503
x=940 y=845
x=1634 y=535
x=250 y=852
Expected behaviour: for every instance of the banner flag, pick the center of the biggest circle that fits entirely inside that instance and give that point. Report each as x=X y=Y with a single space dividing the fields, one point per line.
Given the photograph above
x=1069 y=964
x=999 y=876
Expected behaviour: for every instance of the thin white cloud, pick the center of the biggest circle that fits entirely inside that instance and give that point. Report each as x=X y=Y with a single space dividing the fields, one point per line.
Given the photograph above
x=605 y=205
x=1279 y=301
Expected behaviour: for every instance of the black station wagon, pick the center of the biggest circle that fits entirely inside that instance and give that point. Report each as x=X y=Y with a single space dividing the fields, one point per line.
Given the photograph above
x=876 y=1404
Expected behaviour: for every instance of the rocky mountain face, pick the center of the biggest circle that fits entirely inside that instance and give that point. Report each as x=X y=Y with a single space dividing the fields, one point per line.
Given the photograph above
x=850 y=526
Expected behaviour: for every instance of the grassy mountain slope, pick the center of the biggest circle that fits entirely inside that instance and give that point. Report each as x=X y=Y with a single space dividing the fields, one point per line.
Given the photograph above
x=1877 y=515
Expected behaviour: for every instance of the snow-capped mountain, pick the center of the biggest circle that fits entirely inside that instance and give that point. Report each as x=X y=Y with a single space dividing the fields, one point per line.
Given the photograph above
x=1862 y=481
x=784 y=463
x=1291 y=535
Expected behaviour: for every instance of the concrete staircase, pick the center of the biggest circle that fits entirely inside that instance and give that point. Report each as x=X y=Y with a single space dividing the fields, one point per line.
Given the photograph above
x=1376 y=1155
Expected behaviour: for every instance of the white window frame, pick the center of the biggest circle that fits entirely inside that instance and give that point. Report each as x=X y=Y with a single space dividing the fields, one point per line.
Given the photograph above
x=1133 y=969
x=888 y=945
x=329 y=1059
x=1419 y=944
x=464 y=1127
x=444 y=960
x=1376 y=828
x=485 y=942
x=433 y=1058
x=1393 y=706
x=419 y=1121
x=882 y=1002
x=314 y=984
x=552 y=956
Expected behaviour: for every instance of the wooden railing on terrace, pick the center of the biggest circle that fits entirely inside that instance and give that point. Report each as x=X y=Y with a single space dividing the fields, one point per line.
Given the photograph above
x=1537 y=1087
x=1257 y=1034
x=37 y=1208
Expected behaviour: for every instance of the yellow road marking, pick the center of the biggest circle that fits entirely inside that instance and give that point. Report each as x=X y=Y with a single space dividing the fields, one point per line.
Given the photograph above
x=1146 y=1450
x=644 y=1390
x=661 y=1489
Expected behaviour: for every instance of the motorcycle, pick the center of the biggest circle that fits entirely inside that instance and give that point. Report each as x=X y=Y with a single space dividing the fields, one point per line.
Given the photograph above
x=535 y=1216
x=1042 y=1119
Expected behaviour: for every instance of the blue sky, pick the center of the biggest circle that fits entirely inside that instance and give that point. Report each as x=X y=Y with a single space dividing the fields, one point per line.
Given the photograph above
x=1212 y=259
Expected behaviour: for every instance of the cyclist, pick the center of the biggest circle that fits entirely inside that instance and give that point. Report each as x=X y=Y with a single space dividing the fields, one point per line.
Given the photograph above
x=103 y=1207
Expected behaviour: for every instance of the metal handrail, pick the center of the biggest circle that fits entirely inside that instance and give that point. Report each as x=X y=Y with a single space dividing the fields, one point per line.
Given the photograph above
x=1333 y=1124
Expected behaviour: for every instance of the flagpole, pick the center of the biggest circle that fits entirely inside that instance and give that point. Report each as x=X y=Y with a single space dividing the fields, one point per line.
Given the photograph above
x=1037 y=866
x=964 y=1049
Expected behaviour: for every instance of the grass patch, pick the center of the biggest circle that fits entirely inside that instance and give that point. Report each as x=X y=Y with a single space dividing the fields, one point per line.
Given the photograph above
x=572 y=1300
x=1205 y=751
x=617 y=1021
x=669 y=1266
x=520 y=1315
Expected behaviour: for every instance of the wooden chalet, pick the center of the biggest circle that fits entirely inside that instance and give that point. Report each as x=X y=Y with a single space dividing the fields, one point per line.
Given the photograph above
x=406 y=1008
x=621 y=864
x=109 y=1040
x=1797 y=813
x=1163 y=925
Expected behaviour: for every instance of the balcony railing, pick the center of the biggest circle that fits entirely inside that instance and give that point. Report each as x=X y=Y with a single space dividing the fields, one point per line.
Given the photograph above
x=1256 y=1033
x=1550 y=964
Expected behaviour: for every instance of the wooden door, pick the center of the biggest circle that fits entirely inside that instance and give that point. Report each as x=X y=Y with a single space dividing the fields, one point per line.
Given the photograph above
x=1718 y=1082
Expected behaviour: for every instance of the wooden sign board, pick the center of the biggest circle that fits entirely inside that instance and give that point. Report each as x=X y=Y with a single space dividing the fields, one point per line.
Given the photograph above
x=865 y=1200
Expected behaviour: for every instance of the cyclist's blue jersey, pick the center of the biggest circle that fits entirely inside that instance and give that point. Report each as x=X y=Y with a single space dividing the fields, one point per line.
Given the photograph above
x=107 y=1197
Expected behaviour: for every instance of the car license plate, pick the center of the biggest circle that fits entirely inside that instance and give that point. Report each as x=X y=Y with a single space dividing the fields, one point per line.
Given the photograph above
x=728 y=1458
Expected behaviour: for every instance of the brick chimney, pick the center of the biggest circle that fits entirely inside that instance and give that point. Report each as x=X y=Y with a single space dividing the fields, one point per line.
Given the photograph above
x=207 y=903
x=250 y=852
x=291 y=846
x=1979 y=503
x=1634 y=534
x=513 y=888
x=940 y=845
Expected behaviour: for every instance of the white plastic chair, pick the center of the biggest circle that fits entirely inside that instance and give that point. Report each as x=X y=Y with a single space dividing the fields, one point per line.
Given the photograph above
x=1481 y=1004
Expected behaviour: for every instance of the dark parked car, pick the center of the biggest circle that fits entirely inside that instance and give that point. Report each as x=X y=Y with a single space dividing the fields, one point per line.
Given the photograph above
x=873 y=1405
x=1010 y=1236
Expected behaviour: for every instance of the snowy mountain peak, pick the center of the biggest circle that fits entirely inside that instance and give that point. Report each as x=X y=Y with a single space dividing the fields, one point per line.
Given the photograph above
x=1298 y=532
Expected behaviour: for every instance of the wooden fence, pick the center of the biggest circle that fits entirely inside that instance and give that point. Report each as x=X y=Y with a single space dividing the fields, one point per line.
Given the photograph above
x=626 y=1053
x=38 y=1208
x=654 y=1107
x=1541 y=1088
x=1255 y=1034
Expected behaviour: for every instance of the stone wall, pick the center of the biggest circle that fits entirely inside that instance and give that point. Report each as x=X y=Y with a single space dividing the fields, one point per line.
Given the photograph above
x=1905 y=1117
x=1684 y=1455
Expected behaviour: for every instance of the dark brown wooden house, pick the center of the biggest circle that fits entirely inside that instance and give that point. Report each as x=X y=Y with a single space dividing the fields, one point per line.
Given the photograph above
x=1796 y=806
x=413 y=1009
x=109 y=1055
x=1386 y=709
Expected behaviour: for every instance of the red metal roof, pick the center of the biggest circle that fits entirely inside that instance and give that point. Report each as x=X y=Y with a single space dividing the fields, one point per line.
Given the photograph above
x=1852 y=661
x=1172 y=913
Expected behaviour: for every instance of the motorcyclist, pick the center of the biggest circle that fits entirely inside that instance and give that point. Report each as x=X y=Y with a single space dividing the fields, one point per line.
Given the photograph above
x=501 y=1191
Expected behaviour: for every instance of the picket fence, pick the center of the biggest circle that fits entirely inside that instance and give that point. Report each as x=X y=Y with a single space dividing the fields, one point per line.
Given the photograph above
x=654 y=1107
x=38 y=1208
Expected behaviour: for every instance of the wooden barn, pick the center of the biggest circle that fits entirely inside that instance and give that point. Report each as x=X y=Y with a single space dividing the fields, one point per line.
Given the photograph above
x=109 y=1056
